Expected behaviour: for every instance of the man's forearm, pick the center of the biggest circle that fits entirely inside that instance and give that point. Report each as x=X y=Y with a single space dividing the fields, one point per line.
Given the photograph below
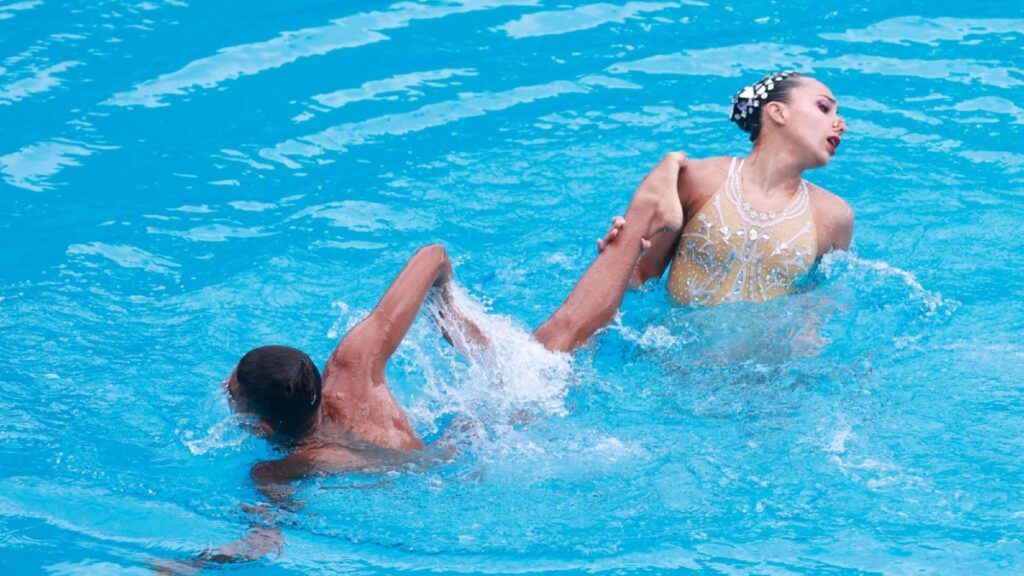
x=466 y=333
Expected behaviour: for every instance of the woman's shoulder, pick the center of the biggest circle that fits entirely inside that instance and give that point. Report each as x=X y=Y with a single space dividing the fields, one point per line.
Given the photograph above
x=699 y=180
x=706 y=173
x=713 y=166
x=830 y=205
x=833 y=216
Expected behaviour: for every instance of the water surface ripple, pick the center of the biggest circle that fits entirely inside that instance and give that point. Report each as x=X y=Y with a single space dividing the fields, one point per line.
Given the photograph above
x=183 y=181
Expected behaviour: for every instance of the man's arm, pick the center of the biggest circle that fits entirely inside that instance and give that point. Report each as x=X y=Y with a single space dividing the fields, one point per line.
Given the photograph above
x=598 y=293
x=371 y=343
x=657 y=258
x=273 y=478
x=455 y=326
x=262 y=538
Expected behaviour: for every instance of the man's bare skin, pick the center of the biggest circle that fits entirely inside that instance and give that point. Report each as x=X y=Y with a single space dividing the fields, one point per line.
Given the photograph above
x=360 y=426
x=358 y=409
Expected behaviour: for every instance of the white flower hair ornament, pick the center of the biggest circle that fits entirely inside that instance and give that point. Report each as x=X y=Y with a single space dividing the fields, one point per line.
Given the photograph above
x=746 y=103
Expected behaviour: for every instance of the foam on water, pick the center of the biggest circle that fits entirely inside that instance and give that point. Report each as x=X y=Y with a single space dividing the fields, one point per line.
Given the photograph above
x=835 y=264
x=491 y=389
x=230 y=432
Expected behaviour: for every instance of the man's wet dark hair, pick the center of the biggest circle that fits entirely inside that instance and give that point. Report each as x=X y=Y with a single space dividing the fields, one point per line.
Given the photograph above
x=748 y=104
x=280 y=385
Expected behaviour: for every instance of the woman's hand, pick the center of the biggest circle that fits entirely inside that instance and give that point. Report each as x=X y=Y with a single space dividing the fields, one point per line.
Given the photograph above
x=617 y=223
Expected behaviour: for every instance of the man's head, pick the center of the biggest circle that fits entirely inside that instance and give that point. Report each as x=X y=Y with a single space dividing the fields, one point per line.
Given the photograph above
x=281 y=386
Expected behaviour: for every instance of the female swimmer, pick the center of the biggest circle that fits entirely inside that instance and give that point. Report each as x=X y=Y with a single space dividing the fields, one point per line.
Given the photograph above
x=753 y=227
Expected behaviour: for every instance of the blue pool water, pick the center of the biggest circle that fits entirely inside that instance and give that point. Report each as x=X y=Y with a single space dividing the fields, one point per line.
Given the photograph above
x=183 y=181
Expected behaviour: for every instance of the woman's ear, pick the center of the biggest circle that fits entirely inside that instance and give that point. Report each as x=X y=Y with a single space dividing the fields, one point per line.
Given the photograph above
x=777 y=111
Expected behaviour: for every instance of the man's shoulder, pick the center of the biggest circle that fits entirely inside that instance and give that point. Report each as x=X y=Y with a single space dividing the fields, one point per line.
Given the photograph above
x=306 y=460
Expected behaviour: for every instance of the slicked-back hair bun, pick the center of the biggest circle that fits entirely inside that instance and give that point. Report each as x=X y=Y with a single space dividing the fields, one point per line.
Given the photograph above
x=748 y=102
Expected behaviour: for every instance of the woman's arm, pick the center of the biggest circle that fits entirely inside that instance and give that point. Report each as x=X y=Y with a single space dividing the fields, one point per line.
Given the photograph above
x=843 y=234
x=833 y=218
x=690 y=186
x=656 y=259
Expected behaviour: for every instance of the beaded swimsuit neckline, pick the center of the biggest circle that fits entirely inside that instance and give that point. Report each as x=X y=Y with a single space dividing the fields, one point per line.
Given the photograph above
x=730 y=251
x=759 y=218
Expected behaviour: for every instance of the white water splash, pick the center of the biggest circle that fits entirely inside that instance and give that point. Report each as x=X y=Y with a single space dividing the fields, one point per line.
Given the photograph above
x=488 y=390
x=834 y=263
x=840 y=434
x=228 y=433
x=513 y=377
x=655 y=337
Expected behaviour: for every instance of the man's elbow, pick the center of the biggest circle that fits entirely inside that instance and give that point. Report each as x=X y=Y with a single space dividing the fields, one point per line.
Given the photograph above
x=434 y=251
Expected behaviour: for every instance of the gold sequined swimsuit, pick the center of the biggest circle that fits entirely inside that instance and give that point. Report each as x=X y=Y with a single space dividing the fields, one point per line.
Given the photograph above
x=730 y=251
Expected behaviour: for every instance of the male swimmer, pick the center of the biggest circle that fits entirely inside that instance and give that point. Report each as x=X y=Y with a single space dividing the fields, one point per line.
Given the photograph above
x=347 y=419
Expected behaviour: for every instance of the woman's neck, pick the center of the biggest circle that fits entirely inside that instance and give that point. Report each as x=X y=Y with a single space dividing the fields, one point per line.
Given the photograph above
x=769 y=171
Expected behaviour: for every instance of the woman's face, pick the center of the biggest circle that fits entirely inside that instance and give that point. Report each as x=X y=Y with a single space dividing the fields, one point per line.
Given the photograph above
x=812 y=121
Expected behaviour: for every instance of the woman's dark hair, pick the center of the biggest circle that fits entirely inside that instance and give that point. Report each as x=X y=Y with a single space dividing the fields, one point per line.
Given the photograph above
x=282 y=386
x=748 y=103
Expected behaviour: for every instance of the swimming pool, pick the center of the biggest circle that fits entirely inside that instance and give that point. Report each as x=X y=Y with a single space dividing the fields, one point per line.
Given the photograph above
x=184 y=181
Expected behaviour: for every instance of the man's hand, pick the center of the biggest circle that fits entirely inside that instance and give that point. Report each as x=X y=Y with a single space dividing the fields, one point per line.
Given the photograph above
x=456 y=327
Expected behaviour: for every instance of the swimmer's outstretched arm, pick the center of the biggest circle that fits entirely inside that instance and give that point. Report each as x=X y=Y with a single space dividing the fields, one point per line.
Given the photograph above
x=655 y=208
x=372 y=342
x=262 y=539
x=658 y=255
x=354 y=374
x=258 y=543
